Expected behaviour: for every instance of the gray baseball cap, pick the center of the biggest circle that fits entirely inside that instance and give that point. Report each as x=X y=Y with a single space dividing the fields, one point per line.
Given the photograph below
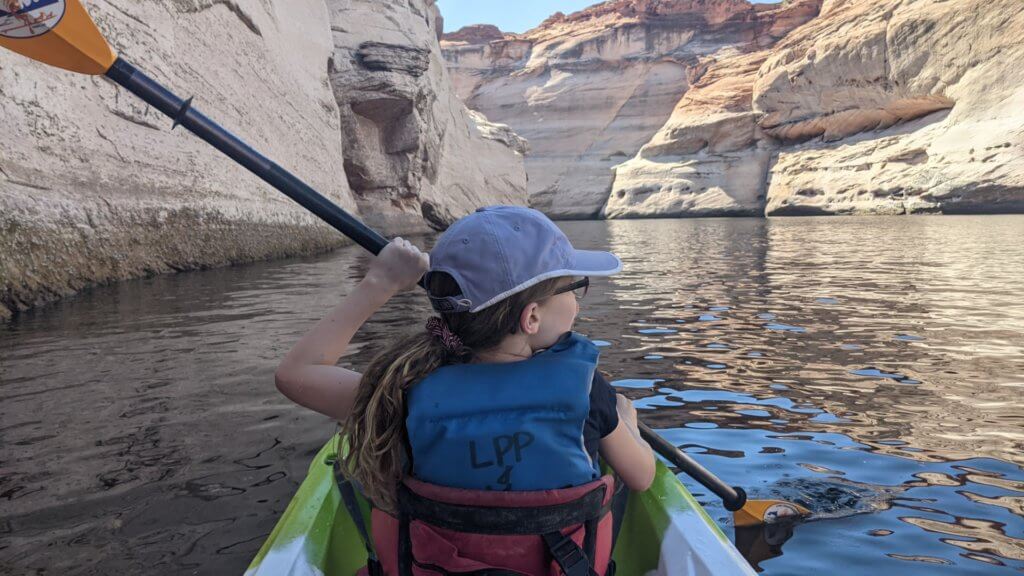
x=500 y=250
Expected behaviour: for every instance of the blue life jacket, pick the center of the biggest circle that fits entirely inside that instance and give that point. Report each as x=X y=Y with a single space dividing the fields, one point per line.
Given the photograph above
x=511 y=426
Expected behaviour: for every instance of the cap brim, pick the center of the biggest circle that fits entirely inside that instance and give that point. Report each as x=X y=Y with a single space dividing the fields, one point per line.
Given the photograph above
x=596 y=263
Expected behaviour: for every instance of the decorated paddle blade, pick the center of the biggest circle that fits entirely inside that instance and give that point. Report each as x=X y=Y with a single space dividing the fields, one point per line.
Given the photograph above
x=55 y=32
x=756 y=512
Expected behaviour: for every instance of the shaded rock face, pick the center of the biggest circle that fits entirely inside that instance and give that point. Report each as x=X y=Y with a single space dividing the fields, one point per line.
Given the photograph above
x=899 y=107
x=588 y=90
x=95 y=187
x=415 y=157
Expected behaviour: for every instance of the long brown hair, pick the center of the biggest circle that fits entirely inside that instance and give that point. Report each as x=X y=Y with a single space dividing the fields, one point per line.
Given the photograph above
x=376 y=425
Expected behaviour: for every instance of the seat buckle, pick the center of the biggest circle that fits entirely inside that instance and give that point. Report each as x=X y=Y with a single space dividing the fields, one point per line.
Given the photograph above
x=567 y=554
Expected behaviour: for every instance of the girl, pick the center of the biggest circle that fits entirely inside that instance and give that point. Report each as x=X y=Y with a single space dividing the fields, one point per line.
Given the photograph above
x=496 y=393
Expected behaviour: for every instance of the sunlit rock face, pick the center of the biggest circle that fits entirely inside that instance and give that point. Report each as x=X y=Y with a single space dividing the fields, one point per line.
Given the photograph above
x=95 y=186
x=645 y=109
x=898 y=107
x=588 y=90
x=709 y=159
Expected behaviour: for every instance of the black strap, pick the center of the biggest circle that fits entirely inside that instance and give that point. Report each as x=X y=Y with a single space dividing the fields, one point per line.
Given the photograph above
x=405 y=556
x=355 y=511
x=590 y=538
x=503 y=521
x=619 y=502
x=568 y=555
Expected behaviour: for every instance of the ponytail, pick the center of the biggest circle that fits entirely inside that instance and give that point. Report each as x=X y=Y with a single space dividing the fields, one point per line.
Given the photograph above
x=376 y=425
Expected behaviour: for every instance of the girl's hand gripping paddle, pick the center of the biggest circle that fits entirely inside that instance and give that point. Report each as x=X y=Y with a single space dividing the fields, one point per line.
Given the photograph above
x=61 y=33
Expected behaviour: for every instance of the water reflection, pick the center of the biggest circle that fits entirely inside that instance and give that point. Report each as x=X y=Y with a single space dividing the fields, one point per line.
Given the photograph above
x=888 y=290
x=761 y=543
x=897 y=337
x=872 y=367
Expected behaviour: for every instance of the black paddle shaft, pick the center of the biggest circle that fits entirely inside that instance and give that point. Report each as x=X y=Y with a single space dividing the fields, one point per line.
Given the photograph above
x=181 y=111
x=733 y=497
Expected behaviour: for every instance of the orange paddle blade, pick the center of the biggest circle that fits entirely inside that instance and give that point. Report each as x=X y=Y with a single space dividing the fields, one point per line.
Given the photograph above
x=756 y=512
x=55 y=32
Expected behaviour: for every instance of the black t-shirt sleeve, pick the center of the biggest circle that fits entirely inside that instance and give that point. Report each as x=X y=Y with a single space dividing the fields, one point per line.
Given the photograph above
x=603 y=417
x=602 y=406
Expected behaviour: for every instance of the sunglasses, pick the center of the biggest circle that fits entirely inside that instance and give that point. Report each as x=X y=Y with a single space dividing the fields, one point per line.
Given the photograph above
x=579 y=288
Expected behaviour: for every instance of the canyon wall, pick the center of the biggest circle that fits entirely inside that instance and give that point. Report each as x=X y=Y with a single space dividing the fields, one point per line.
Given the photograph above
x=588 y=90
x=96 y=187
x=415 y=157
x=898 y=107
x=840 y=107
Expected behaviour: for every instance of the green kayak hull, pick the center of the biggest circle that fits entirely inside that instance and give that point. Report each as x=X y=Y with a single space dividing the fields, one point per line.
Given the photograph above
x=665 y=532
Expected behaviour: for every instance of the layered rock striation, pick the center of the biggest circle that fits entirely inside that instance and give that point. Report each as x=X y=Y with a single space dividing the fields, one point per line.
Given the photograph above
x=95 y=187
x=588 y=90
x=804 y=107
x=898 y=107
x=709 y=159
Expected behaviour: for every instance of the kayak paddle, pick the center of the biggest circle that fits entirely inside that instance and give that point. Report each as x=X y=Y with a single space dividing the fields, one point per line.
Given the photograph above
x=744 y=512
x=61 y=33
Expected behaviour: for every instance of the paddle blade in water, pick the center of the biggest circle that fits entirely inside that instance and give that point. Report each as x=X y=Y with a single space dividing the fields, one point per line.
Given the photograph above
x=756 y=512
x=55 y=32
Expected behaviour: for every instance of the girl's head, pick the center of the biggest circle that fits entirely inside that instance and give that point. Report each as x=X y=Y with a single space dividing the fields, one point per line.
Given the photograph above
x=500 y=278
x=533 y=318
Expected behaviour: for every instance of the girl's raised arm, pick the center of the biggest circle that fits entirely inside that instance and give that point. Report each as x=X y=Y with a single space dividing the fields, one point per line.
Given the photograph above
x=308 y=374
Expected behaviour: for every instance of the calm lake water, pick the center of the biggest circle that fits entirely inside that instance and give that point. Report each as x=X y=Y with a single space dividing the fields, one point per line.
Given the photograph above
x=872 y=368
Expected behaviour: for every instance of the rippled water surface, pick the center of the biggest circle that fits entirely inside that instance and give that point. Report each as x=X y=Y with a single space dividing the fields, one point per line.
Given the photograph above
x=871 y=368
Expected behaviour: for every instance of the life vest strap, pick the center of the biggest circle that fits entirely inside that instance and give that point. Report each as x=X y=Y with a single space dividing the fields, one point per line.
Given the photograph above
x=568 y=555
x=348 y=496
x=503 y=521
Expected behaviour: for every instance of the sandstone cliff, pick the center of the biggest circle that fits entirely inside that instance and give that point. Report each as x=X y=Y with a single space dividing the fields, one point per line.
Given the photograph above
x=414 y=155
x=890 y=107
x=95 y=187
x=709 y=159
x=844 y=87
x=589 y=89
